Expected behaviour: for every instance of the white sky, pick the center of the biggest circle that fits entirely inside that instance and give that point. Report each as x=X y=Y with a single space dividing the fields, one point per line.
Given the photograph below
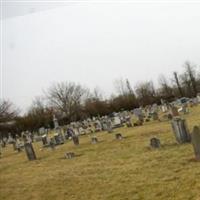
x=94 y=44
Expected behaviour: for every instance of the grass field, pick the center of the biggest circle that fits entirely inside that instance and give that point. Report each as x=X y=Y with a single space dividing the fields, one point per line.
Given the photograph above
x=114 y=170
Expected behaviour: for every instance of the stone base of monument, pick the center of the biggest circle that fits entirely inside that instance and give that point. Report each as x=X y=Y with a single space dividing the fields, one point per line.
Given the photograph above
x=155 y=143
x=69 y=155
x=118 y=136
x=94 y=140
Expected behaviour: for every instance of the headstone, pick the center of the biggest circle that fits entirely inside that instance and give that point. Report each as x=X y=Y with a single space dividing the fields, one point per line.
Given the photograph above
x=75 y=139
x=117 y=122
x=129 y=124
x=98 y=126
x=118 y=136
x=196 y=142
x=55 y=122
x=30 y=151
x=198 y=97
x=52 y=143
x=180 y=130
x=155 y=116
x=42 y=131
x=14 y=146
x=174 y=111
x=169 y=116
x=69 y=155
x=155 y=143
x=44 y=140
x=94 y=140
x=109 y=125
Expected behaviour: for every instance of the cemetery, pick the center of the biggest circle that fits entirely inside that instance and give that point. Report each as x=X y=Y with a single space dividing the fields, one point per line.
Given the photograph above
x=138 y=154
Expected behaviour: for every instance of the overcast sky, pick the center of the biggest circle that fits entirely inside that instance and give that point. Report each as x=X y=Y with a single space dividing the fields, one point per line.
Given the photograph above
x=94 y=43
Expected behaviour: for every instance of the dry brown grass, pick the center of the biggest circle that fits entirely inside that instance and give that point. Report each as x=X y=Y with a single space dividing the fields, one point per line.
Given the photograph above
x=116 y=170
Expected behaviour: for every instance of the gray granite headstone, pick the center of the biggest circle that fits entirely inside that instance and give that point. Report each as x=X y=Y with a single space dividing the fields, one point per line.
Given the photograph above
x=94 y=140
x=69 y=155
x=155 y=142
x=180 y=130
x=30 y=151
x=44 y=140
x=196 y=141
x=75 y=139
x=118 y=136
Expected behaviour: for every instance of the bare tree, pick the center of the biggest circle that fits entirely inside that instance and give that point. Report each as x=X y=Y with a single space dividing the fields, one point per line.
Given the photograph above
x=191 y=73
x=7 y=111
x=166 y=89
x=177 y=82
x=67 y=97
x=146 y=93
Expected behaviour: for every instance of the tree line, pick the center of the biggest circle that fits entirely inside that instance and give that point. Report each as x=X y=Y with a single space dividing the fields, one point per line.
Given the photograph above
x=72 y=102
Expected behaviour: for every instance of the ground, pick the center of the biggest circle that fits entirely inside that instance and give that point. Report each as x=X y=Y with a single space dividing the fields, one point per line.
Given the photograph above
x=109 y=170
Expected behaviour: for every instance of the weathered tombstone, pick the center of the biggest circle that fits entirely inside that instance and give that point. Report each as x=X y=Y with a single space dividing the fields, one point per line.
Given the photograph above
x=147 y=120
x=174 y=111
x=75 y=139
x=98 y=126
x=55 y=122
x=94 y=140
x=61 y=138
x=129 y=124
x=155 y=142
x=52 y=143
x=155 y=116
x=118 y=136
x=109 y=125
x=117 y=122
x=169 y=116
x=180 y=130
x=44 y=140
x=56 y=138
x=196 y=142
x=30 y=151
x=69 y=155
x=14 y=145
x=4 y=142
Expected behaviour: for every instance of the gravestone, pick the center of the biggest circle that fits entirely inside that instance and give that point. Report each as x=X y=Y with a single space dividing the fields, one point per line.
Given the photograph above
x=129 y=124
x=180 y=130
x=75 y=139
x=118 y=136
x=155 y=116
x=94 y=140
x=55 y=122
x=174 y=111
x=59 y=139
x=109 y=125
x=44 y=140
x=69 y=155
x=30 y=151
x=52 y=143
x=155 y=142
x=169 y=116
x=14 y=145
x=56 y=138
x=196 y=142
x=116 y=122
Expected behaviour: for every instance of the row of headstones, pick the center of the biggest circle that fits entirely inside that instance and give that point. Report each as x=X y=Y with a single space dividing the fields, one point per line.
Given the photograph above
x=32 y=156
x=182 y=135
